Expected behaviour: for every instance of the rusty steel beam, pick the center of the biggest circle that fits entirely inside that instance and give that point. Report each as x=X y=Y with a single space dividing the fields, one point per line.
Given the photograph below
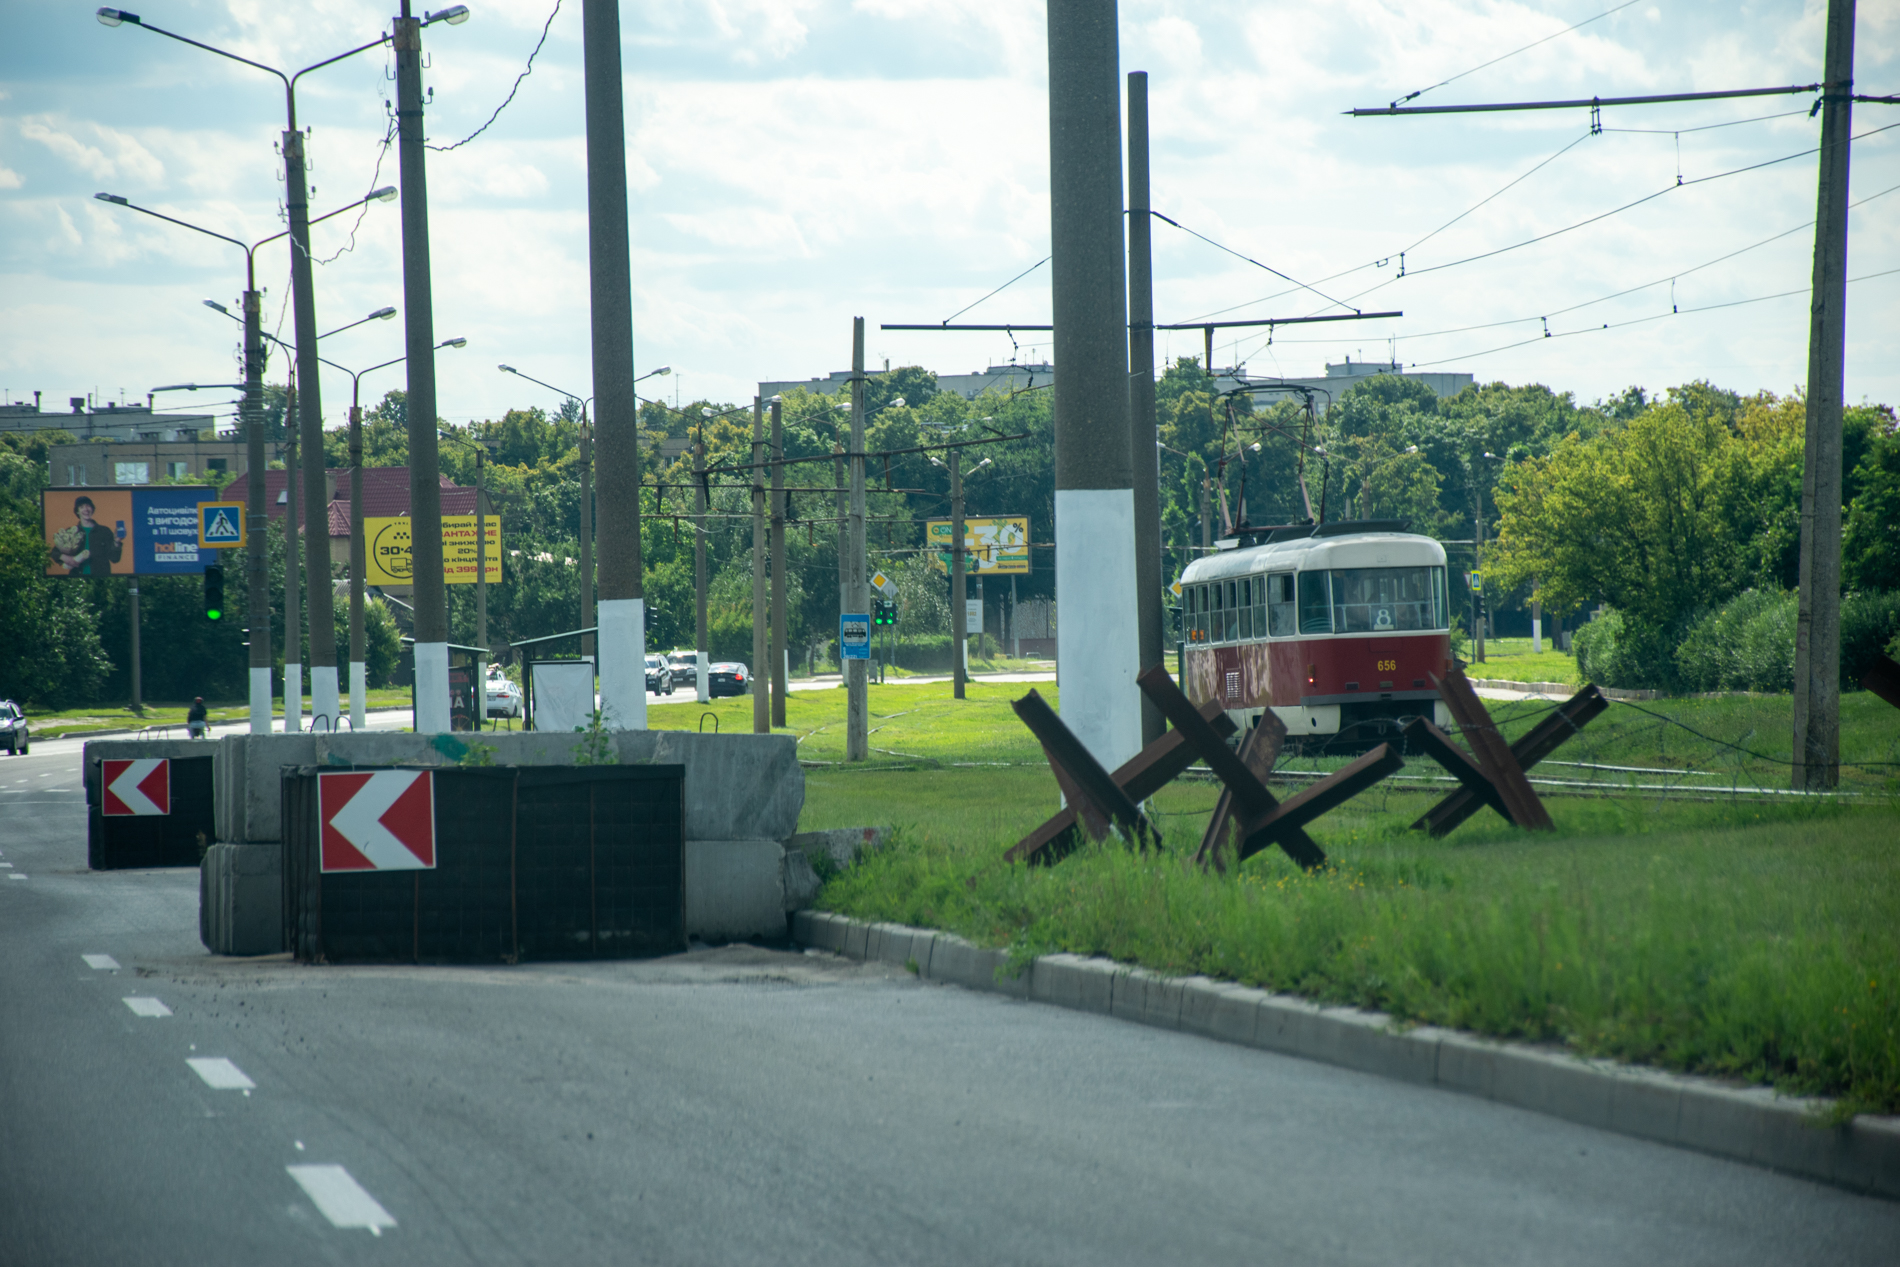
x=1100 y=798
x=1542 y=740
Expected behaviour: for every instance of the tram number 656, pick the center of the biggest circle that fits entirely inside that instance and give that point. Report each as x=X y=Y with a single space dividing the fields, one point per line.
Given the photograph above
x=1388 y=666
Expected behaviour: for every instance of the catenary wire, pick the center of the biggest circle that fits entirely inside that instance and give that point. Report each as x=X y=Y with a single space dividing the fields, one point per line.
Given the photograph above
x=512 y=91
x=1513 y=53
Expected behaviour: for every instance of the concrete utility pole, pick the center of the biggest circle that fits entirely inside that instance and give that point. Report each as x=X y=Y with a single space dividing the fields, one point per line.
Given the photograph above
x=256 y=513
x=1098 y=643
x=431 y=614
x=1817 y=643
x=761 y=677
x=857 y=589
x=293 y=604
x=481 y=559
x=1143 y=433
x=622 y=619
x=320 y=602
x=587 y=534
x=959 y=618
x=359 y=559
x=702 y=688
x=777 y=546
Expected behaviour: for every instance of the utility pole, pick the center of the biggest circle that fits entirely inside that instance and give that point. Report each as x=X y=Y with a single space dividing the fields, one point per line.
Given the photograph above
x=359 y=558
x=431 y=613
x=256 y=510
x=587 y=534
x=320 y=601
x=959 y=619
x=132 y=605
x=777 y=545
x=1207 y=517
x=1817 y=645
x=1477 y=592
x=1015 y=634
x=701 y=687
x=761 y=686
x=857 y=591
x=293 y=577
x=1098 y=644
x=622 y=611
x=481 y=560
x=1143 y=434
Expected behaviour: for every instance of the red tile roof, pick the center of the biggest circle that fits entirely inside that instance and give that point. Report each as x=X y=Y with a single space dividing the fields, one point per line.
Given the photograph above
x=385 y=495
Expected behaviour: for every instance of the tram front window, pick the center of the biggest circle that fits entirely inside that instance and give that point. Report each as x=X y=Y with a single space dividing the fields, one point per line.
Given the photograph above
x=1384 y=600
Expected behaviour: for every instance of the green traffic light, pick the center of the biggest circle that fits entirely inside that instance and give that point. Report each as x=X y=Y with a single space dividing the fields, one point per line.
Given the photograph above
x=214 y=614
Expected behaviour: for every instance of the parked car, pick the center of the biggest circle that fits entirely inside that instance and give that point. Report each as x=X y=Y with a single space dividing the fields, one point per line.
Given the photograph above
x=659 y=676
x=728 y=677
x=685 y=666
x=504 y=697
x=13 y=731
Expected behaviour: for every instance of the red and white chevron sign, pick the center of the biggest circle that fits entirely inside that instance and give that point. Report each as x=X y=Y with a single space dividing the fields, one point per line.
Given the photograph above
x=381 y=820
x=136 y=787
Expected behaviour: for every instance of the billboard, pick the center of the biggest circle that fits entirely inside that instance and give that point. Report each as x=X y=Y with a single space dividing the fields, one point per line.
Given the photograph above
x=124 y=531
x=998 y=545
x=387 y=551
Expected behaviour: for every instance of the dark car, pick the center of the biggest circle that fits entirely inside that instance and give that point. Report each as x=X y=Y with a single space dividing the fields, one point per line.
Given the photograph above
x=685 y=666
x=728 y=677
x=13 y=727
x=659 y=676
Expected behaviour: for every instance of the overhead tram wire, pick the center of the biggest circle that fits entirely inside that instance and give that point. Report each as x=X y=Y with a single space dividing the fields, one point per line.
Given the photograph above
x=1514 y=52
x=443 y=149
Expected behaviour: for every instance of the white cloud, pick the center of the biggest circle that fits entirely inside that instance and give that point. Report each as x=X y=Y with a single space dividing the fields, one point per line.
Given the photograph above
x=9 y=179
x=127 y=157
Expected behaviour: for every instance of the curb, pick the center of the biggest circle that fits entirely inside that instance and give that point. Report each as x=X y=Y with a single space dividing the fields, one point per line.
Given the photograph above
x=1750 y=1125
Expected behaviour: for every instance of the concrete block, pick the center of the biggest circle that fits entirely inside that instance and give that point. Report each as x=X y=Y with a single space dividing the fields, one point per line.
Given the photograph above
x=735 y=889
x=843 y=845
x=829 y=930
x=1074 y=981
x=1467 y=1064
x=1791 y=1136
x=241 y=890
x=802 y=928
x=856 y=937
x=1552 y=1082
x=923 y=944
x=801 y=883
x=951 y=960
x=1869 y=1157
x=1220 y=1009
x=992 y=974
x=1147 y=998
x=1645 y=1103
x=1354 y=1039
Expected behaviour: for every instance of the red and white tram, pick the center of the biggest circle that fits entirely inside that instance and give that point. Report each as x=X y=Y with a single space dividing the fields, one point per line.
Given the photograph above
x=1336 y=628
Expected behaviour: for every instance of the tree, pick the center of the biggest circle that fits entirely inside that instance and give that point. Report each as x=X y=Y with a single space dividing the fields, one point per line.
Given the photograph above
x=1872 y=547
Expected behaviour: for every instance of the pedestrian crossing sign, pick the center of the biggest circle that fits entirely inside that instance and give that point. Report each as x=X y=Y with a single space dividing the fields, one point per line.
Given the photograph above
x=220 y=525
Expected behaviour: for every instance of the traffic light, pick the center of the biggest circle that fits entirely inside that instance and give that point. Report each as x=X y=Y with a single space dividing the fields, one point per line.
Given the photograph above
x=884 y=611
x=214 y=592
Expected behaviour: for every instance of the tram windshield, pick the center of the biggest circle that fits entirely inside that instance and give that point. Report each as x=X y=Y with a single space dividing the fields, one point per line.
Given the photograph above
x=1382 y=600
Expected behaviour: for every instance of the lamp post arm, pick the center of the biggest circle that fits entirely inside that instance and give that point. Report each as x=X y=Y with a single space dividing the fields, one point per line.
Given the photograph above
x=186 y=39
x=183 y=224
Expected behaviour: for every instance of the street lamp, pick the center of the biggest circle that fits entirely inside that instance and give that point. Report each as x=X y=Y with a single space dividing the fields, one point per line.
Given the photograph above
x=256 y=512
x=405 y=34
x=359 y=684
x=587 y=499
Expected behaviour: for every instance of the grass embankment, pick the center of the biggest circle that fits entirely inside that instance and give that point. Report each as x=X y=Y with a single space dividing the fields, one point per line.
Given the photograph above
x=80 y=721
x=1746 y=939
x=1512 y=660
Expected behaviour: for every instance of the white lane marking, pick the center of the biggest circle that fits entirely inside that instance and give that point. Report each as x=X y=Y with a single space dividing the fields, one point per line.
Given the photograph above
x=16 y=876
x=147 y=1007
x=340 y=1198
x=105 y=963
x=7 y=865
x=220 y=1074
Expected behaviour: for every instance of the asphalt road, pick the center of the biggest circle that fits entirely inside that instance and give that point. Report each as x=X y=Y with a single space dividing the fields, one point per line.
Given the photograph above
x=741 y=1105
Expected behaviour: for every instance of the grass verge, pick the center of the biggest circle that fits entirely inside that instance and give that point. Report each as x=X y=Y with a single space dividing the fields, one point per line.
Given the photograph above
x=1757 y=942
x=80 y=721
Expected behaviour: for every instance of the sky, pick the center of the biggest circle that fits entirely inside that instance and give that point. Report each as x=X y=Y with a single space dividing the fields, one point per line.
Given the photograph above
x=795 y=163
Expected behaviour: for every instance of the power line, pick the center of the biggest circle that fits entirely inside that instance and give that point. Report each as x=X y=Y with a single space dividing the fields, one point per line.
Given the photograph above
x=512 y=91
x=1514 y=52
x=1297 y=283
x=389 y=135
x=1000 y=289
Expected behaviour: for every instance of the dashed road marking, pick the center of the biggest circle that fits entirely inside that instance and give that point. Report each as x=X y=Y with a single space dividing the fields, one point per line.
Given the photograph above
x=16 y=876
x=220 y=1074
x=147 y=1007
x=105 y=963
x=340 y=1198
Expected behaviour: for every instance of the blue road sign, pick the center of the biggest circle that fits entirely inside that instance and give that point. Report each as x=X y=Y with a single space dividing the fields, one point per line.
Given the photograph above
x=854 y=636
x=220 y=524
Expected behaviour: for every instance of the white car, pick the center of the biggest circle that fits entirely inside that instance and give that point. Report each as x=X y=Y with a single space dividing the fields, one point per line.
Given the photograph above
x=504 y=697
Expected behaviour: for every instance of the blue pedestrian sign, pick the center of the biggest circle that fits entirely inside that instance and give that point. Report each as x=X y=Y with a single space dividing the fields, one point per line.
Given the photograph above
x=854 y=637
x=220 y=525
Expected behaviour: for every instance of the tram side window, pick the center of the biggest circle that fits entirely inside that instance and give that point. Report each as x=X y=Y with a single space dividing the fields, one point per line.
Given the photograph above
x=1196 y=612
x=1259 y=606
x=1316 y=606
x=1216 y=614
x=1246 y=607
x=1230 y=621
x=1280 y=622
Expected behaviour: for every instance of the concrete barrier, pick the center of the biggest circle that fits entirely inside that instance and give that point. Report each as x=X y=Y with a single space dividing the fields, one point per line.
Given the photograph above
x=241 y=900
x=175 y=839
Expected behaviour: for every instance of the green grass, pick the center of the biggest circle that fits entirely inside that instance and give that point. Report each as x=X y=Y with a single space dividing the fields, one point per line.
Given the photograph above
x=80 y=721
x=1760 y=942
x=1511 y=660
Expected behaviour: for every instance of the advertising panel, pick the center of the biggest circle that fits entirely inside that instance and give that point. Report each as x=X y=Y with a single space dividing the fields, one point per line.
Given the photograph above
x=993 y=546
x=123 y=531
x=387 y=550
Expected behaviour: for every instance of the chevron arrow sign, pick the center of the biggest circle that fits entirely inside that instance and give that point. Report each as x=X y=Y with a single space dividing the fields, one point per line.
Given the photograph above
x=382 y=820
x=136 y=787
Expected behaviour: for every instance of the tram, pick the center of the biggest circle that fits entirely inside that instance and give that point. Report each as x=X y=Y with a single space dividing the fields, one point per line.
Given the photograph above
x=1335 y=627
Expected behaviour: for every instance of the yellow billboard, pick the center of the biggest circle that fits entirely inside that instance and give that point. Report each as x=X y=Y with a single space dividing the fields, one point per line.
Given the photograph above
x=998 y=545
x=387 y=550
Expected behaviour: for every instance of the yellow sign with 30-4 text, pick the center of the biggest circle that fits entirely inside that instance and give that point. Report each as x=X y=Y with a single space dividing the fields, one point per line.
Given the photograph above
x=390 y=561
x=998 y=544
